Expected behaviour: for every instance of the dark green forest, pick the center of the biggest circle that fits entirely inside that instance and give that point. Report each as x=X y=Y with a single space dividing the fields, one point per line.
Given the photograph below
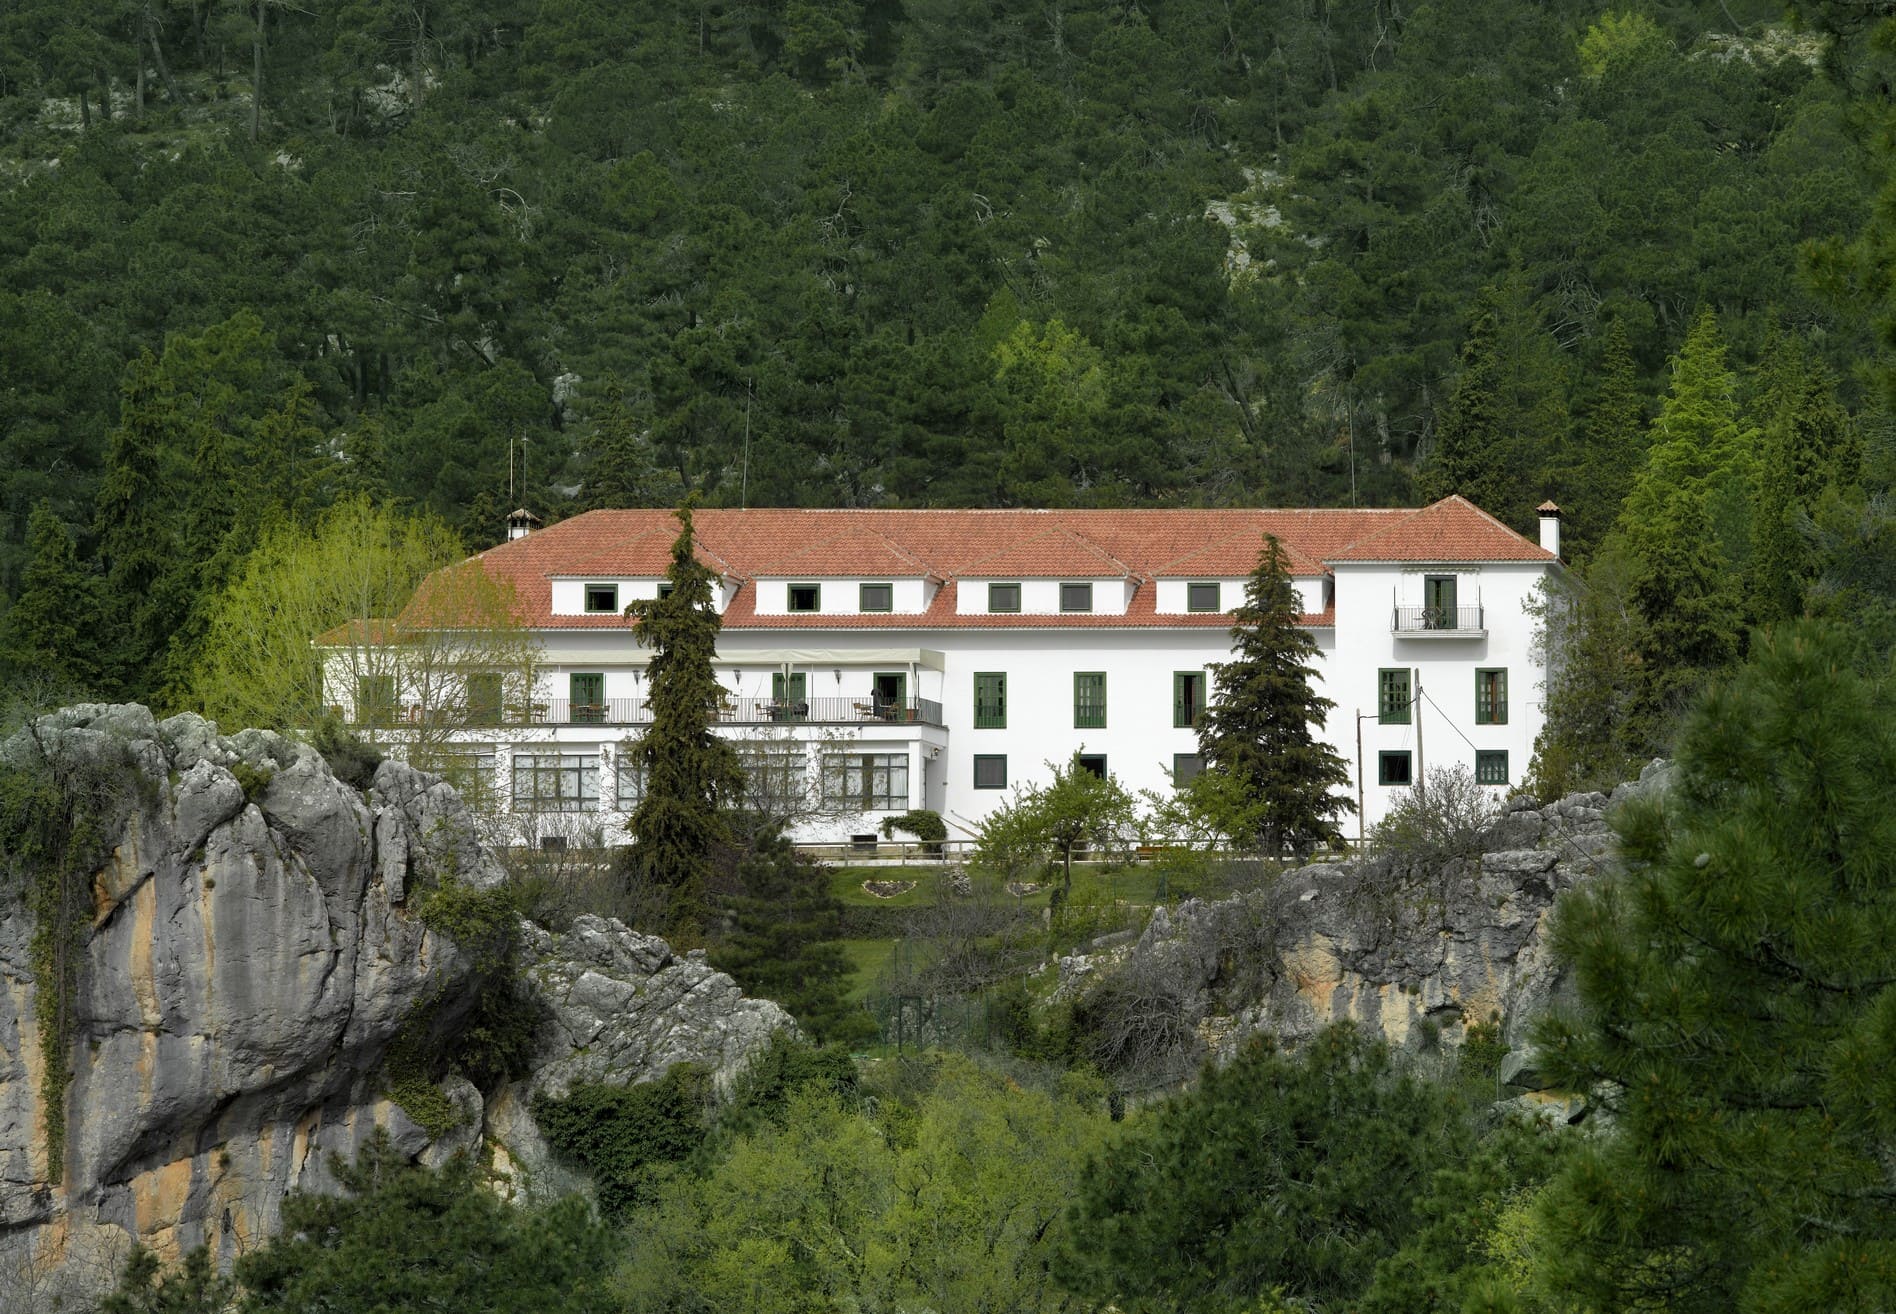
x=461 y=256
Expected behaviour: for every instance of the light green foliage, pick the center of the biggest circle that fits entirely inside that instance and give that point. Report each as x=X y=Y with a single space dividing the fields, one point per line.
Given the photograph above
x=405 y=1237
x=1620 y=37
x=1039 y=825
x=1274 y=1171
x=1735 y=1009
x=953 y=1201
x=1260 y=728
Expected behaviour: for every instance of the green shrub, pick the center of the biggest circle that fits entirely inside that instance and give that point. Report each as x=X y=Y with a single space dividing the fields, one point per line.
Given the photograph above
x=627 y=1136
x=351 y=760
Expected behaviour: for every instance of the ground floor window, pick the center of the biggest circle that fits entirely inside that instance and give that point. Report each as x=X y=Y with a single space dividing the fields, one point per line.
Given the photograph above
x=1491 y=767
x=872 y=782
x=556 y=782
x=629 y=782
x=776 y=780
x=1394 y=768
x=1185 y=768
x=990 y=771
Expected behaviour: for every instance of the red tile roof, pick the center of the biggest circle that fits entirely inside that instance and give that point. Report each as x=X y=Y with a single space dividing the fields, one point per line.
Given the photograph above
x=1141 y=544
x=1453 y=529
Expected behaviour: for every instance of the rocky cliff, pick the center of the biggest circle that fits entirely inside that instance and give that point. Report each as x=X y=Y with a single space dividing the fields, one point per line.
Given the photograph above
x=239 y=950
x=1416 y=949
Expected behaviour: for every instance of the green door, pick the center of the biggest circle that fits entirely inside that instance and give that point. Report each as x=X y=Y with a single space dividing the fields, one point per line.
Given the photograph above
x=787 y=695
x=588 y=698
x=1438 y=596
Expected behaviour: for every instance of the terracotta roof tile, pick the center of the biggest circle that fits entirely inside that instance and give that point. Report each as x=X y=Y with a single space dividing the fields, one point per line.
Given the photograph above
x=1453 y=529
x=1056 y=552
x=854 y=551
x=1026 y=544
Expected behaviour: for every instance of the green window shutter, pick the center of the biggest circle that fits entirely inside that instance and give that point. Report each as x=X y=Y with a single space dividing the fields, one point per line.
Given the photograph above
x=587 y=694
x=990 y=700
x=1188 y=698
x=1089 y=700
x=1392 y=696
x=790 y=690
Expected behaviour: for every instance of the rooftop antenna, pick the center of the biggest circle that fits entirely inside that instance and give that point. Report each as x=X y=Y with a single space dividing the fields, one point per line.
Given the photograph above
x=743 y=488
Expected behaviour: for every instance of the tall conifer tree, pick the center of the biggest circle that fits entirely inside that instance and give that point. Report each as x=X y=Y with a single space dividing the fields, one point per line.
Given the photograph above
x=1611 y=450
x=50 y=632
x=1260 y=725
x=690 y=773
x=1808 y=447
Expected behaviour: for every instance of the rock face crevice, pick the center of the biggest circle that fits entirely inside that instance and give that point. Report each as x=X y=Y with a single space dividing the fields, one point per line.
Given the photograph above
x=1413 y=950
x=245 y=963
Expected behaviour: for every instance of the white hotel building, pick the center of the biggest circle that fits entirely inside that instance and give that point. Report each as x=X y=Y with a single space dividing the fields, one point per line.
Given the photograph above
x=935 y=659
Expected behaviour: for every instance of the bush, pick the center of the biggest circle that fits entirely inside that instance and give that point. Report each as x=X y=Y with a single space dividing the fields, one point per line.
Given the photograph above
x=625 y=1136
x=350 y=759
x=1443 y=819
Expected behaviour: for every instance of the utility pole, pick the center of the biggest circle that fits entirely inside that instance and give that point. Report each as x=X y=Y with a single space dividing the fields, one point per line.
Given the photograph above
x=1421 y=773
x=1359 y=775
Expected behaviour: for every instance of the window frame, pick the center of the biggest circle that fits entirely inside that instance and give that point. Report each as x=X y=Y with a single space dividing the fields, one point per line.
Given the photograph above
x=990 y=758
x=790 y=592
x=584 y=768
x=997 y=589
x=1179 y=767
x=597 y=713
x=612 y=605
x=862 y=596
x=1487 y=757
x=1386 y=712
x=1083 y=708
x=863 y=768
x=1495 y=707
x=1074 y=609
x=1217 y=596
x=996 y=720
x=1180 y=721
x=1386 y=756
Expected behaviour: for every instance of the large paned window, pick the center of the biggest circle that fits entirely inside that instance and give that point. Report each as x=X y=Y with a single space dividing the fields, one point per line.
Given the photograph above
x=1004 y=597
x=870 y=782
x=776 y=778
x=556 y=782
x=990 y=700
x=1491 y=767
x=1089 y=700
x=470 y=768
x=1392 y=696
x=1188 y=698
x=1491 y=697
x=629 y=785
x=586 y=693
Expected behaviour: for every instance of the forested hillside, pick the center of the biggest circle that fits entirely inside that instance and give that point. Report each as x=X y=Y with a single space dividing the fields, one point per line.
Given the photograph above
x=947 y=252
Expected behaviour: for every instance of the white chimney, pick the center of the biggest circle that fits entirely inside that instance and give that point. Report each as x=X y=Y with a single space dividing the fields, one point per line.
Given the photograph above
x=520 y=523
x=1550 y=527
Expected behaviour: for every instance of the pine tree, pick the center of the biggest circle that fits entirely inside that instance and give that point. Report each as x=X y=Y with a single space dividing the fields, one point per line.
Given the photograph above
x=1736 y=1016
x=1259 y=726
x=1690 y=608
x=1507 y=412
x=784 y=947
x=1612 y=449
x=50 y=633
x=690 y=773
x=1809 y=446
x=137 y=533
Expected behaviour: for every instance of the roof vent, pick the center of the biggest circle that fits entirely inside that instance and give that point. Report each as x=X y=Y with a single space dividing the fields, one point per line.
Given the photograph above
x=520 y=523
x=1550 y=527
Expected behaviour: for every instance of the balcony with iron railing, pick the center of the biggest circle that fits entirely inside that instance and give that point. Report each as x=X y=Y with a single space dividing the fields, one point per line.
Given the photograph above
x=1439 y=622
x=638 y=711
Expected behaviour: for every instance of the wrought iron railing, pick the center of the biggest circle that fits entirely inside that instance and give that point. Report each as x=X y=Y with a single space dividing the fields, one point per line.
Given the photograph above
x=1437 y=620
x=733 y=711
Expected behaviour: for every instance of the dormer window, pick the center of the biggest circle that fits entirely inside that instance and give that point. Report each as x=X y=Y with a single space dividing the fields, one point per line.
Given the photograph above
x=804 y=597
x=878 y=597
x=1004 y=597
x=1076 y=597
x=1202 y=596
x=602 y=598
